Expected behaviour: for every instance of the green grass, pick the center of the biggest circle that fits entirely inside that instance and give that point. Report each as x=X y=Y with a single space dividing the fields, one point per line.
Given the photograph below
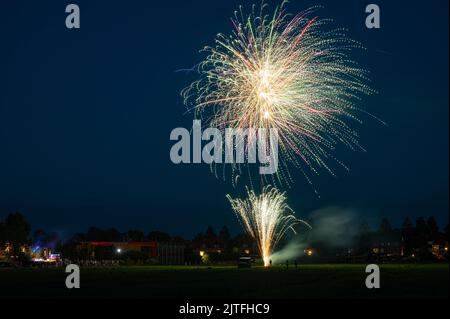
x=308 y=281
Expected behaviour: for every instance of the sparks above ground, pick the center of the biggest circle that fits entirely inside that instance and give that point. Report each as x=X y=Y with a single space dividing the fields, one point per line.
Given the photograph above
x=266 y=218
x=294 y=74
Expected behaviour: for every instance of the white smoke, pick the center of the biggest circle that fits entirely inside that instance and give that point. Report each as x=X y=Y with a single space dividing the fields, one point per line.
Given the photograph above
x=331 y=226
x=292 y=250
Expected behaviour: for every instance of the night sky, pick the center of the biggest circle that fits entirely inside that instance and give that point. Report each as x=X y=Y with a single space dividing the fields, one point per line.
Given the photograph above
x=85 y=116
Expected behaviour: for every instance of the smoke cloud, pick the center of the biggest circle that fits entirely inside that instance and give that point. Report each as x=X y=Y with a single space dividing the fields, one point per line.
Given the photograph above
x=332 y=227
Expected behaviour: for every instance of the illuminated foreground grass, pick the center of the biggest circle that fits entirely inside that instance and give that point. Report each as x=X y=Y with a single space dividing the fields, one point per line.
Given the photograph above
x=308 y=281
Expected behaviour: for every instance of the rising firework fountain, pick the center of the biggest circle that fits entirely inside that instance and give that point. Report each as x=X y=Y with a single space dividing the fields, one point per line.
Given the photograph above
x=265 y=217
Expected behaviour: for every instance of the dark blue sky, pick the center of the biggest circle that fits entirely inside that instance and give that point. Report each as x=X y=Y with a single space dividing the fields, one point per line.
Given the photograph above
x=85 y=115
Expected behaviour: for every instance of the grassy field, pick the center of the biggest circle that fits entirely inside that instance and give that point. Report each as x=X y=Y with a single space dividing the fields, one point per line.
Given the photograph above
x=308 y=281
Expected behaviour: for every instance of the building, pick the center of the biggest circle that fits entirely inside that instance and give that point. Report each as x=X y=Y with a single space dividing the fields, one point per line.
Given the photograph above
x=6 y=251
x=170 y=254
x=388 y=249
x=439 y=247
x=151 y=251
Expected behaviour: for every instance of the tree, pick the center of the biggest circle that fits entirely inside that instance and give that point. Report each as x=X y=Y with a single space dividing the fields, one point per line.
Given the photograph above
x=224 y=237
x=407 y=225
x=243 y=240
x=210 y=237
x=97 y=234
x=159 y=236
x=433 y=228
x=178 y=240
x=135 y=235
x=408 y=236
x=94 y=234
x=385 y=226
x=422 y=228
x=2 y=234
x=364 y=237
x=16 y=231
x=112 y=234
x=198 y=240
x=421 y=240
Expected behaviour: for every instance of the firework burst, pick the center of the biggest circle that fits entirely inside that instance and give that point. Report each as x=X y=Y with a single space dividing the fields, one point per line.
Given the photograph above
x=292 y=73
x=265 y=217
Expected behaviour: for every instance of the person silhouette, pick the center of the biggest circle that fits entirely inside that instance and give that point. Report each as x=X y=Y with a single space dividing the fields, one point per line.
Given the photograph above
x=287 y=264
x=270 y=262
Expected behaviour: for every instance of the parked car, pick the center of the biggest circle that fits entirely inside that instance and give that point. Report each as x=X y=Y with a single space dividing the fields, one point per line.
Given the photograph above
x=245 y=262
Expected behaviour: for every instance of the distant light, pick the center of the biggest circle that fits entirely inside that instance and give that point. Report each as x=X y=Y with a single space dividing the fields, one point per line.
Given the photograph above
x=119 y=250
x=202 y=253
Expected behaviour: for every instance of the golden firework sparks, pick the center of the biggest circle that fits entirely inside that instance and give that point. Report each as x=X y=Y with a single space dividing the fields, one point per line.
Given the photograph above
x=292 y=73
x=265 y=217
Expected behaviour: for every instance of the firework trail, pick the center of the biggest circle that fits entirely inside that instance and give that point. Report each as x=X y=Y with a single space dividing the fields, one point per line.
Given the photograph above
x=292 y=73
x=265 y=218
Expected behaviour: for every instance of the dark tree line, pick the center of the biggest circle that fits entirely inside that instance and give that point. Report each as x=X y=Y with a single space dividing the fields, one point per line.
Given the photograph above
x=418 y=236
x=415 y=238
x=221 y=246
x=15 y=231
x=113 y=235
